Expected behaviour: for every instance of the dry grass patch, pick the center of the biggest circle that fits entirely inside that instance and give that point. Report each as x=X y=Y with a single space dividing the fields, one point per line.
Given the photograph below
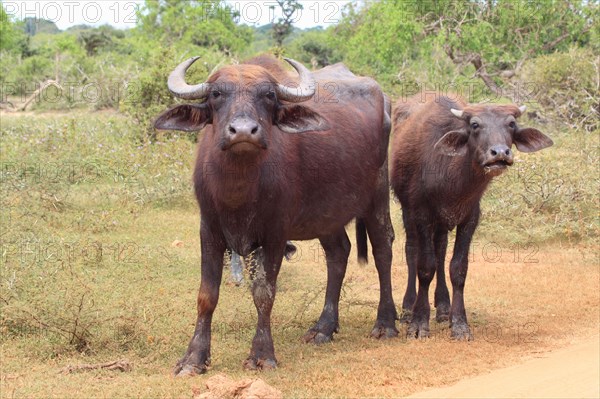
x=516 y=310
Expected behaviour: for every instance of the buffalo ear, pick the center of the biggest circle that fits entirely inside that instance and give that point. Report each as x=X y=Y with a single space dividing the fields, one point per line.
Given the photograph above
x=186 y=117
x=453 y=143
x=299 y=119
x=531 y=140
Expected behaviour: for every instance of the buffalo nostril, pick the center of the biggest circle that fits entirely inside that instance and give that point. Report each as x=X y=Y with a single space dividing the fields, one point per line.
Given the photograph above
x=507 y=152
x=232 y=130
x=254 y=130
x=493 y=152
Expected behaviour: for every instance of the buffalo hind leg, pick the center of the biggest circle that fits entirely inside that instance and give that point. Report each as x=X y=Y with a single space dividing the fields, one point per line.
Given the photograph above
x=337 y=250
x=419 y=325
x=266 y=265
x=459 y=266
x=197 y=357
x=441 y=296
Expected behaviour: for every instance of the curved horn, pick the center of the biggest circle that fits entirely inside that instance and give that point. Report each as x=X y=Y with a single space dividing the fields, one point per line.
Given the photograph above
x=522 y=108
x=179 y=88
x=305 y=89
x=456 y=112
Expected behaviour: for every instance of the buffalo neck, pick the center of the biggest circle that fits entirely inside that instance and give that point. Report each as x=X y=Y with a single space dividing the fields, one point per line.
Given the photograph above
x=468 y=182
x=238 y=179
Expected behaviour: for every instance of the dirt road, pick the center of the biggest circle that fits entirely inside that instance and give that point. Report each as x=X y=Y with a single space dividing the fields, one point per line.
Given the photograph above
x=571 y=372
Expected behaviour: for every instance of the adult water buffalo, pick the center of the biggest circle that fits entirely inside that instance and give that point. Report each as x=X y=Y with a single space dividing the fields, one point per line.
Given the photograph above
x=278 y=163
x=444 y=155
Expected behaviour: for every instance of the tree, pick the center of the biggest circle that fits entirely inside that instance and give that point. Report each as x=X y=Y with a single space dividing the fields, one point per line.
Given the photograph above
x=489 y=40
x=169 y=31
x=33 y=26
x=95 y=39
x=314 y=47
x=203 y=23
x=497 y=37
x=12 y=38
x=283 y=27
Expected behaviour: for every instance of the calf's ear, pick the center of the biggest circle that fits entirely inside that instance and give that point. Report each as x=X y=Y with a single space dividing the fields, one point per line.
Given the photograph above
x=186 y=117
x=453 y=143
x=299 y=119
x=531 y=140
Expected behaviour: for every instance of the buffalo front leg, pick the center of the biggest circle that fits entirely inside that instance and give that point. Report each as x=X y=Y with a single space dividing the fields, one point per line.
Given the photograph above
x=381 y=235
x=419 y=325
x=337 y=250
x=264 y=270
x=412 y=255
x=441 y=296
x=197 y=357
x=458 y=275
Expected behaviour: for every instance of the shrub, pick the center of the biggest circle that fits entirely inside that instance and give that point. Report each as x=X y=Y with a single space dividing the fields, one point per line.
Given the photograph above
x=147 y=95
x=567 y=85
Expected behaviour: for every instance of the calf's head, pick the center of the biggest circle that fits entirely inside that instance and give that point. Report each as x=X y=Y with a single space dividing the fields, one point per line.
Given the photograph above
x=488 y=134
x=242 y=103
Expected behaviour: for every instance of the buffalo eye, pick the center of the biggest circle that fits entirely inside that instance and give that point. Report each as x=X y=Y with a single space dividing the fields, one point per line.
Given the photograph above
x=512 y=125
x=215 y=94
x=474 y=125
x=270 y=95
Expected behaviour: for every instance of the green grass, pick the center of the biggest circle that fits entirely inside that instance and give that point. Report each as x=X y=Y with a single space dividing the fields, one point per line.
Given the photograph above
x=89 y=273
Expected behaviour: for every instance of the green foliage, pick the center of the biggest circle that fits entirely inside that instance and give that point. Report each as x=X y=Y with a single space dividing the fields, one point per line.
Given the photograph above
x=506 y=31
x=283 y=27
x=406 y=45
x=396 y=39
x=13 y=42
x=147 y=94
x=567 y=86
x=49 y=45
x=55 y=57
x=204 y=23
x=34 y=26
x=33 y=69
x=314 y=47
x=94 y=40
x=378 y=39
x=177 y=30
x=7 y=31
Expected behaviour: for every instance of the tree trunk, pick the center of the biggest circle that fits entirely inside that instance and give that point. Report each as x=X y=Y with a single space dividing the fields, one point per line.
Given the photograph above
x=37 y=92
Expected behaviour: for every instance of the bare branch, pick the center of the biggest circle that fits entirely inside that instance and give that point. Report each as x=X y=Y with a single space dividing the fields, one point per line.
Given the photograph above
x=38 y=91
x=482 y=73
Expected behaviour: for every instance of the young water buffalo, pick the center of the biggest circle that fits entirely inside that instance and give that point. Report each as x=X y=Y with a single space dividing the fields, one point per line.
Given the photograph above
x=445 y=153
x=276 y=164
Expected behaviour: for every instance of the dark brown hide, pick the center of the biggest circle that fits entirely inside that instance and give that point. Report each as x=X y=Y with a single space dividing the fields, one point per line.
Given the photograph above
x=268 y=171
x=442 y=163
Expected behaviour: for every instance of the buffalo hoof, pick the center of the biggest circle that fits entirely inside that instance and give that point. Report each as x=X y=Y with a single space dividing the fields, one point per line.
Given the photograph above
x=418 y=330
x=461 y=332
x=442 y=313
x=189 y=370
x=406 y=316
x=384 y=330
x=314 y=336
x=259 y=364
